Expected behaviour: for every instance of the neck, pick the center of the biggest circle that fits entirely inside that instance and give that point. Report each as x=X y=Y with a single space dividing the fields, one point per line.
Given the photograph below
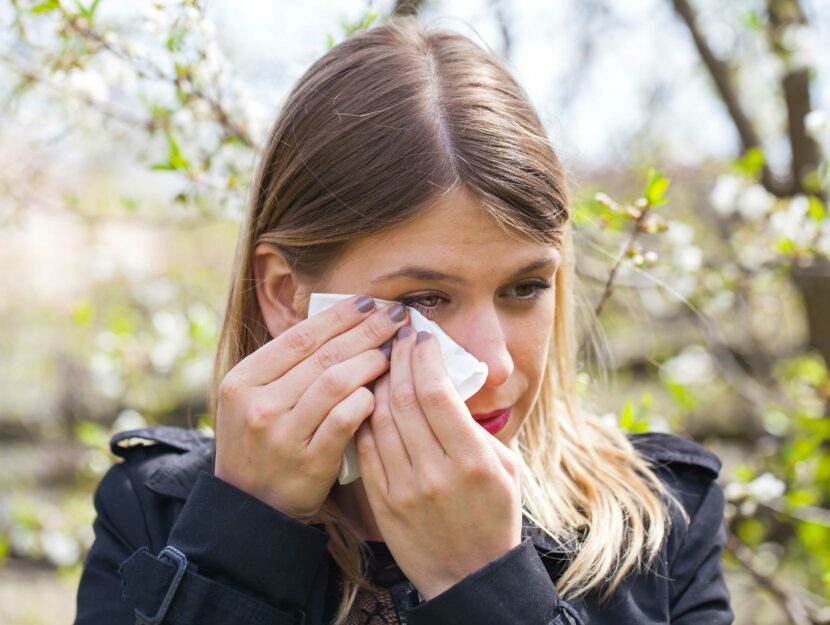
x=353 y=502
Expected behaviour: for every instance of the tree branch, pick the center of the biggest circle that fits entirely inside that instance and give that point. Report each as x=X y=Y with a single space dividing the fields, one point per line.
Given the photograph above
x=721 y=75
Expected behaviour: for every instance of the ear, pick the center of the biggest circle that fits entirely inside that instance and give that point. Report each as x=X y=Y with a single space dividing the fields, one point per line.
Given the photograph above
x=276 y=288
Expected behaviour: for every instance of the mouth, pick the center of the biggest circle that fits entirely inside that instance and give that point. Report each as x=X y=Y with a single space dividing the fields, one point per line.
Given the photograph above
x=493 y=421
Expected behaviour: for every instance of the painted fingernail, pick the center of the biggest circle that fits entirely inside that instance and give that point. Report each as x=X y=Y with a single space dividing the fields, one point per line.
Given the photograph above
x=364 y=303
x=396 y=312
x=403 y=333
x=422 y=336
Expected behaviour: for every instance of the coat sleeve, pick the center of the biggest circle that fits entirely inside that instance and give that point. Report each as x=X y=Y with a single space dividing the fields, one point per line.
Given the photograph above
x=697 y=589
x=230 y=559
x=513 y=588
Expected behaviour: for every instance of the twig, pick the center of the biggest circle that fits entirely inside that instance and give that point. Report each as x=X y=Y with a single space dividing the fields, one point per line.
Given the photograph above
x=609 y=283
x=798 y=612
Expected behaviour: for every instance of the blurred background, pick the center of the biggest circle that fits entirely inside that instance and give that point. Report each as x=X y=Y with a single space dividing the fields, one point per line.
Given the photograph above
x=696 y=134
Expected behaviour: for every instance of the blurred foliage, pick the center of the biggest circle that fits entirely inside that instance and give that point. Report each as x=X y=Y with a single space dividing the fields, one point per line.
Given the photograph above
x=695 y=292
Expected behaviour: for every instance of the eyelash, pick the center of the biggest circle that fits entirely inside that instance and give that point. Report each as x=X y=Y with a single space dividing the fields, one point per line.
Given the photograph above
x=541 y=286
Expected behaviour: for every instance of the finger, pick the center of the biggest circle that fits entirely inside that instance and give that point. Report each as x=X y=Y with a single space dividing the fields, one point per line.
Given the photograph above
x=446 y=413
x=423 y=447
x=505 y=455
x=367 y=335
x=392 y=452
x=335 y=384
x=297 y=343
x=371 y=467
x=341 y=423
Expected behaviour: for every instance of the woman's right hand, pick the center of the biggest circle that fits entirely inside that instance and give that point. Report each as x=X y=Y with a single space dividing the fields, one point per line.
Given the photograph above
x=287 y=411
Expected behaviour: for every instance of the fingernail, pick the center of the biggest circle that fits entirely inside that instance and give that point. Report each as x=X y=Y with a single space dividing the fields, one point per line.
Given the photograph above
x=422 y=336
x=396 y=312
x=403 y=332
x=364 y=303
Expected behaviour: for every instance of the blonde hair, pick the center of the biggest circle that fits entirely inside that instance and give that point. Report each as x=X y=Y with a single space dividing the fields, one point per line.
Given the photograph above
x=369 y=135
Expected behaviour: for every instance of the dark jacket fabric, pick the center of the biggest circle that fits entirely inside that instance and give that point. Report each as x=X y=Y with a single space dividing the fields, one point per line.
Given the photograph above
x=174 y=544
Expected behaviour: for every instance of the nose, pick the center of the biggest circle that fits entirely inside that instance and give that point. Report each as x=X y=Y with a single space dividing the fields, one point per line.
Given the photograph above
x=483 y=334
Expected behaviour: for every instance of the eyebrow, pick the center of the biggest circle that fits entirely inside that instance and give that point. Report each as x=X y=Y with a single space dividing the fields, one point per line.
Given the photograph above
x=425 y=273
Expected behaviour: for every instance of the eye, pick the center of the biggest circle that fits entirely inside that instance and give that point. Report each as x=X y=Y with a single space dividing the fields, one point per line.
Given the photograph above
x=430 y=304
x=427 y=310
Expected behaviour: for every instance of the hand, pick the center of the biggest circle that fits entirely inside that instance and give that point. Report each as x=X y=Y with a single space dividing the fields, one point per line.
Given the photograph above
x=444 y=492
x=287 y=411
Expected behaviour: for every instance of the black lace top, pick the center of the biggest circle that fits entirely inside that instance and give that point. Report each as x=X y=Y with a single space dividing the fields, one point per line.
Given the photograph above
x=375 y=606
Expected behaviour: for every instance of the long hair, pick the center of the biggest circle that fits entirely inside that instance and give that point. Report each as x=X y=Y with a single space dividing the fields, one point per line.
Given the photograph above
x=370 y=134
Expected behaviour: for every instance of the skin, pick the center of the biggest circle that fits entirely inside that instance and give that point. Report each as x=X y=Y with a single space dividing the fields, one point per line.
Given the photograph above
x=441 y=491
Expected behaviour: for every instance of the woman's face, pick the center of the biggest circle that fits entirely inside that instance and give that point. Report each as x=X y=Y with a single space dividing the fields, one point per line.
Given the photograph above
x=458 y=268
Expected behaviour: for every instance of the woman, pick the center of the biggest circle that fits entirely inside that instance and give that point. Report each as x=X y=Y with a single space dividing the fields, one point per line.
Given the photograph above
x=406 y=165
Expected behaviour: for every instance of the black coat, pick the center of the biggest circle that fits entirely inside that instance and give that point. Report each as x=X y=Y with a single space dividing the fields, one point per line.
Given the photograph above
x=230 y=558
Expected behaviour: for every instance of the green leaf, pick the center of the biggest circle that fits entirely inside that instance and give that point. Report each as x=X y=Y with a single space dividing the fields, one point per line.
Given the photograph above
x=816 y=209
x=87 y=12
x=685 y=399
x=635 y=421
x=750 y=162
x=45 y=7
x=751 y=531
x=656 y=186
x=802 y=497
x=82 y=313
x=91 y=434
x=744 y=472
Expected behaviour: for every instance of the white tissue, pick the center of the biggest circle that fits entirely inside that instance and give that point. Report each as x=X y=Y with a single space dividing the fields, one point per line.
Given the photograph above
x=466 y=372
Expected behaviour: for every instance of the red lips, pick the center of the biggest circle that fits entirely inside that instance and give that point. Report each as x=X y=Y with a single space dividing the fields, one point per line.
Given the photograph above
x=489 y=415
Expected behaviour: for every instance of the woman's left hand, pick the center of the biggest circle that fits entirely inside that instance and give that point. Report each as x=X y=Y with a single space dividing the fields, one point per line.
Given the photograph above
x=445 y=492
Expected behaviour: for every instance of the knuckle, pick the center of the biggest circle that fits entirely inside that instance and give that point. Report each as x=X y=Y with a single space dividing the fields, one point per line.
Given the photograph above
x=511 y=465
x=257 y=415
x=403 y=396
x=332 y=382
x=431 y=486
x=230 y=387
x=375 y=329
x=341 y=419
x=300 y=340
x=382 y=421
x=474 y=468
x=437 y=397
x=328 y=357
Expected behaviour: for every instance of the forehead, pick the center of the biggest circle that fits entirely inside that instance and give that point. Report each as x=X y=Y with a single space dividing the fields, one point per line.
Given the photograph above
x=453 y=234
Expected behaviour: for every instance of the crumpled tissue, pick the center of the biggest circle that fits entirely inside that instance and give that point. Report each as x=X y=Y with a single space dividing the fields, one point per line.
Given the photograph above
x=466 y=372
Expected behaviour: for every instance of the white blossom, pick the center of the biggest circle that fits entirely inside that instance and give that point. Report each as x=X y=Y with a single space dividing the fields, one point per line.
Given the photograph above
x=801 y=41
x=762 y=489
x=196 y=373
x=692 y=365
x=688 y=259
x=89 y=84
x=725 y=193
x=679 y=233
x=755 y=201
x=766 y=487
x=60 y=549
x=174 y=339
x=128 y=419
x=788 y=223
x=816 y=122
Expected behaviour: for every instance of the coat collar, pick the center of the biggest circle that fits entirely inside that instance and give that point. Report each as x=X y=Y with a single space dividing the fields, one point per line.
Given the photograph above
x=177 y=473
